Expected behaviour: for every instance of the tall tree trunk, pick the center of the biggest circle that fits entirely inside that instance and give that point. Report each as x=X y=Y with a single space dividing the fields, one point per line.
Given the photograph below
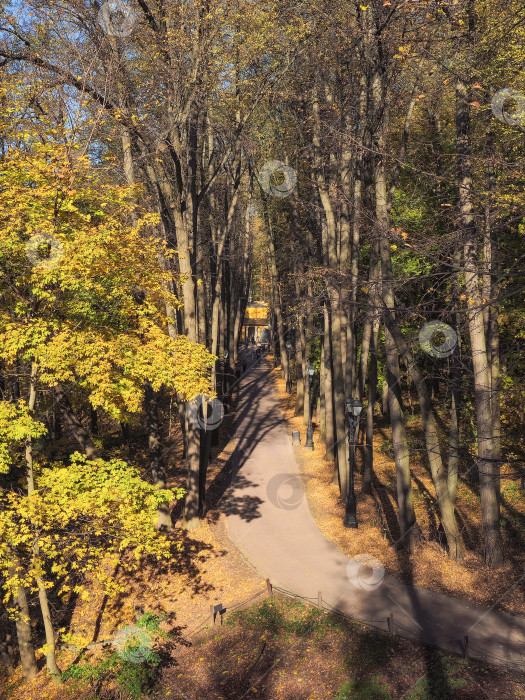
x=6 y=652
x=215 y=326
x=185 y=248
x=23 y=620
x=23 y=626
x=372 y=317
x=51 y=663
x=206 y=436
x=407 y=516
x=231 y=308
x=74 y=424
x=93 y=420
x=201 y=306
x=158 y=472
x=276 y=296
x=439 y=477
x=339 y=394
x=335 y=298
x=368 y=472
x=453 y=448
x=322 y=398
x=493 y=348
x=192 y=501
x=332 y=354
x=351 y=339
x=385 y=410
x=491 y=293
x=299 y=365
x=455 y=378
x=308 y=335
x=327 y=382
x=237 y=326
x=489 y=470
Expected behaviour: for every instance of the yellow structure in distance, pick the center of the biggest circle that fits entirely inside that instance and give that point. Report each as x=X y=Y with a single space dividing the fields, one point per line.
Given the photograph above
x=256 y=321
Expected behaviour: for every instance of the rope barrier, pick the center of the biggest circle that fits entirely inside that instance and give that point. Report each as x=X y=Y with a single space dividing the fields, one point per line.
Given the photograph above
x=439 y=643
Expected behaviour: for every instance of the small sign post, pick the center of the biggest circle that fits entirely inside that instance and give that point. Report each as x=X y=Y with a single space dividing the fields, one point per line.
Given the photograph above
x=214 y=609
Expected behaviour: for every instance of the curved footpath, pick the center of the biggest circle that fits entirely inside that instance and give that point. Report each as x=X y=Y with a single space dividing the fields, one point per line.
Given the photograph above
x=269 y=520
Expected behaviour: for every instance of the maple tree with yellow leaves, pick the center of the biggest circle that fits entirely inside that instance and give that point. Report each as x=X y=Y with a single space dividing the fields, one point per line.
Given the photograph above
x=83 y=308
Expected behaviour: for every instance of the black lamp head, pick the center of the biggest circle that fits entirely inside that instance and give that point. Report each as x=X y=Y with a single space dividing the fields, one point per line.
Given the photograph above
x=353 y=406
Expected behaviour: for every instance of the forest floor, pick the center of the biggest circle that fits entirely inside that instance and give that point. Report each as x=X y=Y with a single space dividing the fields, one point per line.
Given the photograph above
x=206 y=570
x=378 y=529
x=285 y=650
x=279 y=649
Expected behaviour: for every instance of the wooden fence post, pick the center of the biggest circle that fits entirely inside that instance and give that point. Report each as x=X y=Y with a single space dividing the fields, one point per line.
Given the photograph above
x=391 y=623
x=320 y=600
x=269 y=587
x=465 y=647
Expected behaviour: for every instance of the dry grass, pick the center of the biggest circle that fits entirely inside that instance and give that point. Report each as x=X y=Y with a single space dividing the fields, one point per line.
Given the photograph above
x=377 y=516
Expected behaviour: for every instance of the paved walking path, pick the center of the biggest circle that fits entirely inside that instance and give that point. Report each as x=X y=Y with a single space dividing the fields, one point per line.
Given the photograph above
x=269 y=520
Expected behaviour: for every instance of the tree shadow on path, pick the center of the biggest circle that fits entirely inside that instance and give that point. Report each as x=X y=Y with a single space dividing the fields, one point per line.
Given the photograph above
x=256 y=418
x=438 y=687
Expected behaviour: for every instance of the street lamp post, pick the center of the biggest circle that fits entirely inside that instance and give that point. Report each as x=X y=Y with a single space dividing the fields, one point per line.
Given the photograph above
x=225 y=381
x=353 y=409
x=288 y=382
x=310 y=431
